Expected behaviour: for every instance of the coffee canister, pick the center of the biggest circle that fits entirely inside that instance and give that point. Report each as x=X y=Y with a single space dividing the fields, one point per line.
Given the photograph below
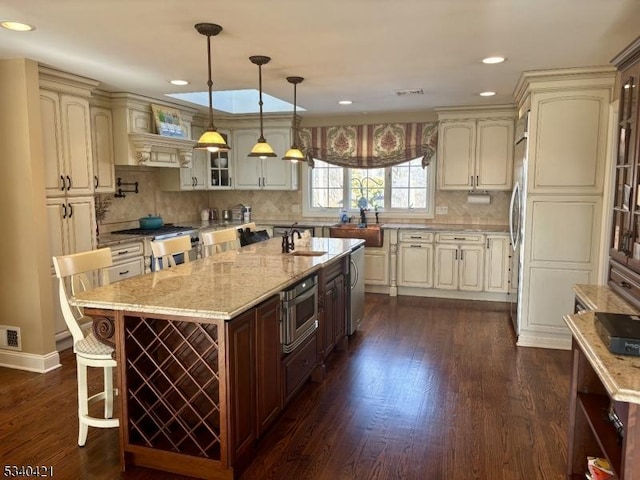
x=246 y=215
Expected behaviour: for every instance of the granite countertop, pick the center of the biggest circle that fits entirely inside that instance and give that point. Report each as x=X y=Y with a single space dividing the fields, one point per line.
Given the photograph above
x=620 y=374
x=601 y=298
x=220 y=286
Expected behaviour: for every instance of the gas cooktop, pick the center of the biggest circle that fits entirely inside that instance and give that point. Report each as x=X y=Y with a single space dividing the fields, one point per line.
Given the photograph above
x=153 y=232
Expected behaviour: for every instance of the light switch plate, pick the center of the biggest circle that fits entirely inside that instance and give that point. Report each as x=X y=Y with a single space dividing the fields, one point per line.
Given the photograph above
x=443 y=210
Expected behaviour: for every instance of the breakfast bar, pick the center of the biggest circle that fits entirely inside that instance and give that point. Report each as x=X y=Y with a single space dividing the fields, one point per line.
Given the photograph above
x=202 y=372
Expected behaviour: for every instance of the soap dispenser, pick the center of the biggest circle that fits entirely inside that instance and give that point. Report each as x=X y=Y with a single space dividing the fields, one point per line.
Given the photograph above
x=344 y=218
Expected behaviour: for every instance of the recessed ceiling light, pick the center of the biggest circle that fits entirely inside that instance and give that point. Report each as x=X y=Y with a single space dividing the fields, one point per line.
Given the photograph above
x=179 y=82
x=487 y=94
x=492 y=60
x=17 y=26
x=345 y=102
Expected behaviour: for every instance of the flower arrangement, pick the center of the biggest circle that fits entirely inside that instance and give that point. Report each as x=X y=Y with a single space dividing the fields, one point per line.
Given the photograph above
x=102 y=204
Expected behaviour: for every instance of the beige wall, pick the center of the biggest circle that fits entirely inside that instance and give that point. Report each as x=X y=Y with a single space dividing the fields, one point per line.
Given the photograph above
x=184 y=207
x=26 y=300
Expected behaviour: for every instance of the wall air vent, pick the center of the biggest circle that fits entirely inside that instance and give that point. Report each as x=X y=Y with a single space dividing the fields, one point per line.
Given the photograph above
x=10 y=338
x=409 y=91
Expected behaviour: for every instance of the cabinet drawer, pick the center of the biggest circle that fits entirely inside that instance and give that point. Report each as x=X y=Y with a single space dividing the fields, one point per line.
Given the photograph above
x=298 y=366
x=459 y=238
x=416 y=236
x=625 y=282
x=126 y=250
x=126 y=269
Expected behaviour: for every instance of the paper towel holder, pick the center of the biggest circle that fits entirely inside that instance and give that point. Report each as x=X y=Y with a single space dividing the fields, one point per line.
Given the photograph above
x=479 y=197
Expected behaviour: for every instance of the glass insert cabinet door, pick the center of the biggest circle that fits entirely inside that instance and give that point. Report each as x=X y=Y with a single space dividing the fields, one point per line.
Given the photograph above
x=220 y=169
x=625 y=234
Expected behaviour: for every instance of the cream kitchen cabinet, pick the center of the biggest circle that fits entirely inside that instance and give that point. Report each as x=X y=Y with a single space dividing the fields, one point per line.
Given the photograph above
x=71 y=227
x=66 y=133
x=415 y=259
x=459 y=262
x=254 y=173
x=496 y=265
x=475 y=149
x=195 y=176
x=102 y=150
x=128 y=261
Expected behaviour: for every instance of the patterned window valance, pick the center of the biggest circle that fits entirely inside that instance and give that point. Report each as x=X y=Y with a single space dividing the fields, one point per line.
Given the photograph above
x=370 y=146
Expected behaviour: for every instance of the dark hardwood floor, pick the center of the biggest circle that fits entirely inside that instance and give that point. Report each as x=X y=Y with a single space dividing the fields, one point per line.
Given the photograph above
x=429 y=389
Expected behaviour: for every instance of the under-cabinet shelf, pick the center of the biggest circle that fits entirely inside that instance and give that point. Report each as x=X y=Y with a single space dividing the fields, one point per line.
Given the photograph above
x=595 y=408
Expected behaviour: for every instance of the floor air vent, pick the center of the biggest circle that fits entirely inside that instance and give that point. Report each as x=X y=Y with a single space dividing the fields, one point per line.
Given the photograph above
x=10 y=338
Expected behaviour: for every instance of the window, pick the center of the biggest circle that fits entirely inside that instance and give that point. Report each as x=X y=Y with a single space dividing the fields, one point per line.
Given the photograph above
x=406 y=189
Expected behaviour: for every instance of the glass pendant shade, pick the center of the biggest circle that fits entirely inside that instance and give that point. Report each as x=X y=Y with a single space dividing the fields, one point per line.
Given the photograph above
x=294 y=154
x=261 y=149
x=210 y=140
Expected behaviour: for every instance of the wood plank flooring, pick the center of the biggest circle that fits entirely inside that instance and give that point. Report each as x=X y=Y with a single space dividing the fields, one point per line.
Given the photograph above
x=429 y=389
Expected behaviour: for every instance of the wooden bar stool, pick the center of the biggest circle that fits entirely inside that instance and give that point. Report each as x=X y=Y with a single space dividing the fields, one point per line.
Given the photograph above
x=77 y=270
x=216 y=241
x=164 y=251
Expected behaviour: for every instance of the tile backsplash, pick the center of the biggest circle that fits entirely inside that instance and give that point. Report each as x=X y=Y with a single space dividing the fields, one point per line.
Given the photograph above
x=185 y=207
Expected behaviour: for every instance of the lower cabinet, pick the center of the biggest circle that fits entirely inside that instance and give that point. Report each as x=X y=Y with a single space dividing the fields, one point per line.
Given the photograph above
x=496 y=265
x=255 y=387
x=297 y=366
x=71 y=227
x=415 y=259
x=376 y=270
x=459 y=262
x=128 y=261
x=332 y=308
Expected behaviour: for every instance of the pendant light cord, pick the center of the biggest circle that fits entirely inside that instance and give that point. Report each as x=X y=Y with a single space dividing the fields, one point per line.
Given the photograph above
x=210 y=83
x=261 y=139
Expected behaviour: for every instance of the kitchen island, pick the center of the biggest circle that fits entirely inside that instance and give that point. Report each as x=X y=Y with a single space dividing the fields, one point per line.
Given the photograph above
x=201 y=369
x=602 y=383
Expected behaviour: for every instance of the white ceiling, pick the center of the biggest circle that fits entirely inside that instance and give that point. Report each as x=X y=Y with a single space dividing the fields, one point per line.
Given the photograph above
x=362 y=50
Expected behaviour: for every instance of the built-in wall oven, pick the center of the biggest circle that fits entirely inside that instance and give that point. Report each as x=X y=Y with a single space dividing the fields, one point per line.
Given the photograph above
x=299 y=313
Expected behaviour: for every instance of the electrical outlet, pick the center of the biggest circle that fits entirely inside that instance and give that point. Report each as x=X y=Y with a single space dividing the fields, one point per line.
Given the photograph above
x=443 y=210
x=295 y=208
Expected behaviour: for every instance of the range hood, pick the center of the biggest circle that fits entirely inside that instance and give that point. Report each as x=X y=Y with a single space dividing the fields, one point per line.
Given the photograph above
x=154 y=150
x=135 y=144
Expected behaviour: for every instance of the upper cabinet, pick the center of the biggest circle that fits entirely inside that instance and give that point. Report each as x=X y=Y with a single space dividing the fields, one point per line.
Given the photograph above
x=569 y=147
x=103 y=154
x=66 y=133
x=254 y=173
x=475 y=148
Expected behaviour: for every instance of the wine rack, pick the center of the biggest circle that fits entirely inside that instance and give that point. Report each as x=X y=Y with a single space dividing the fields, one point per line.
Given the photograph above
x=173 y=386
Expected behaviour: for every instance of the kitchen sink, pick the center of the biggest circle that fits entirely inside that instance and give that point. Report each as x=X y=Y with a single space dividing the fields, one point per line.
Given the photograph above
x=371 y=234
x=307 y=253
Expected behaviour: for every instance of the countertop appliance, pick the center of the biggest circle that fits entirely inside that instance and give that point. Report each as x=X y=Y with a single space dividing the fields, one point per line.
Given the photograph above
x=619 y=332
x=299 y=313
x=356 y=279
x=162 y=233
x=517 y=217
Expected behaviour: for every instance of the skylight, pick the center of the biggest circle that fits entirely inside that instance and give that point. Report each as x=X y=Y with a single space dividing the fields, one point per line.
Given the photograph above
x=238 y=101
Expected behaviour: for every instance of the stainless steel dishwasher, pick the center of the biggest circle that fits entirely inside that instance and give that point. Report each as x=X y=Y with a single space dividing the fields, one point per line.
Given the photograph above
x=356 y=279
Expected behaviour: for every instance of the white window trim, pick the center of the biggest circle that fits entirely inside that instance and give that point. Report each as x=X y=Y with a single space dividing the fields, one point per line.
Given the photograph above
x=307 y=211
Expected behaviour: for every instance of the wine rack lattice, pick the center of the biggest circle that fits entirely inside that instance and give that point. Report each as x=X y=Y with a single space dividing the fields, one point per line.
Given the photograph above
x=173 y=388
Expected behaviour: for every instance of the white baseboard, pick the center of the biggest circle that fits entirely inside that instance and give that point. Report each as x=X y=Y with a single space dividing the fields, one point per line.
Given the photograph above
x=64 y=340
x=453 y=294
x=29 y=361
x=539 y=340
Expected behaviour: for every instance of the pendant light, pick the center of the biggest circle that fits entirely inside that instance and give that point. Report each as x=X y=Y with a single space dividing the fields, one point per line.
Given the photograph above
x=210 y=140
x=294 y=154
x=261 y=149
